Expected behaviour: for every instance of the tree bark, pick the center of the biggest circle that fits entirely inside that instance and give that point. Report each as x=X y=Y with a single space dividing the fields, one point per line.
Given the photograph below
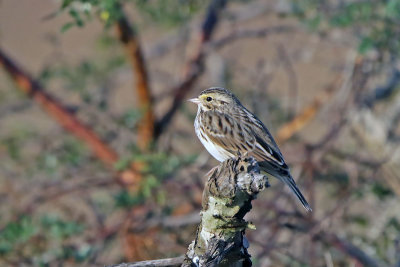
x=220 y=237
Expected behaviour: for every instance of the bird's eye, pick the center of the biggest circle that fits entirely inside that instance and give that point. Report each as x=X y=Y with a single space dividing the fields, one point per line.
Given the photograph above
x=209 y=98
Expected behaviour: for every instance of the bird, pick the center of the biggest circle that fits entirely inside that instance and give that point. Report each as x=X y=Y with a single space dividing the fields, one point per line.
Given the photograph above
x=228 y=130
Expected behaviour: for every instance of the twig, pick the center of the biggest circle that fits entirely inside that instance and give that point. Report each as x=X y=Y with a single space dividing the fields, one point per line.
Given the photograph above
x=310 y=111
x=175 y=221
x=349 y=249
x=292 y=77
x=307 y=114
x=249 y=33
x=129 y=38
x=153 y=263
x=195 y=66
x=339 y=243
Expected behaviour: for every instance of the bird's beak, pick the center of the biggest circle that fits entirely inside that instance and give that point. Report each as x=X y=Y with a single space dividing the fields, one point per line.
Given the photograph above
x=194 y=100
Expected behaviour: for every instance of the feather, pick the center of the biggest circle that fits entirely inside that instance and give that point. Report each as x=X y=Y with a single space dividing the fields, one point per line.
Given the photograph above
x=231 y=130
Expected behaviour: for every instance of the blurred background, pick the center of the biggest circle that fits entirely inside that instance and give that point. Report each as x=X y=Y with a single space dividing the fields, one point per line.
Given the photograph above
x=99 y=162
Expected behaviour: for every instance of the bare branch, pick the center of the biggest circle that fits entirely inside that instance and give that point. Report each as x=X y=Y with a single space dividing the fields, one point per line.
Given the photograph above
x=249 y=33
x=66 y=119
x=307 y=114
x=195 y=66
x=130 y=39
x=153 y=263
x=349 y=249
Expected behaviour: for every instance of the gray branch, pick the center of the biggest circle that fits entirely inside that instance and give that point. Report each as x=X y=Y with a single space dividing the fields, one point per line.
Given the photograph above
x=220 y=239
x=153 y=263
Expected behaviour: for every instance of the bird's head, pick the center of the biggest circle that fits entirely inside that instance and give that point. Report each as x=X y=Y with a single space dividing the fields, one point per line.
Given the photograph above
x=215 y=98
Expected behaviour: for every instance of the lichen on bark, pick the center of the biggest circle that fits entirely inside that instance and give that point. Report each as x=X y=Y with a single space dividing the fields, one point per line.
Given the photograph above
x=220 y=238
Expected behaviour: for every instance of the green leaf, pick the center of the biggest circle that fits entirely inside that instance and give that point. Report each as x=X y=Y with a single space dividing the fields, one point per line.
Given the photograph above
x=392 y=8
x=122 y=164
x=59 y=228
x=66 y=3
x=359 y=219
x=381 y=191
x=365 y=45
x=15 y=233
x=67 y=26
x=77 y=17
x=125 y=199
x=313 y=23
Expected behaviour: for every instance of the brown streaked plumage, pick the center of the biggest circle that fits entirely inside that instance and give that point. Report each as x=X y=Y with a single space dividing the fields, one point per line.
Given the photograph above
x=227 y=129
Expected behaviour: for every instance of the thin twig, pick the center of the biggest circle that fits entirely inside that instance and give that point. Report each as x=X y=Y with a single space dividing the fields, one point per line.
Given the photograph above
x=153 y=263
x=292 y=77
x=349 y=249
x=307 y=114
x=249 y=33
x=341 y=244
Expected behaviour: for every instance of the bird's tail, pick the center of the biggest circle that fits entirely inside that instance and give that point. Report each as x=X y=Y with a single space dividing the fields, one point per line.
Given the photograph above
x=284 y=176
x=287 y=179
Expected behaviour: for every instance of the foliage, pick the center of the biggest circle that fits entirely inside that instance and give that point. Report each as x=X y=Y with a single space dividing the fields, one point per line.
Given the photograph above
x=16 y=234
x=85 y=77
x=157 y=167
x=164 y=13
x=374 y=23
x=50 y=229
x=169 y=13
x=82 y=11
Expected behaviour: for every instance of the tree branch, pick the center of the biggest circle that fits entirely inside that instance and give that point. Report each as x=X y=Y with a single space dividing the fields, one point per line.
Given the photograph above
x=67 y=120
x=153 y=263
x=250 y=33
x=195 y=66
x=129 y=38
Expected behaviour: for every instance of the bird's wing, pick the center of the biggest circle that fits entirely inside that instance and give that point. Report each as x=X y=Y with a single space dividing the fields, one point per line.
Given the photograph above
x=241 y=135
x=266 y=148
x=249 y=135
x=226 y=132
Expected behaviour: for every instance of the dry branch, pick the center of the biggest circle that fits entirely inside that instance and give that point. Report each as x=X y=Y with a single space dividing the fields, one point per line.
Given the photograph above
x=352 y=75
x=195 y=66
x=249 y=33
x=130 y=39
x=306 y=115
x=349 y=249
x=66 y=119
x=153 y=263
x=60 y=113
x=340 y=244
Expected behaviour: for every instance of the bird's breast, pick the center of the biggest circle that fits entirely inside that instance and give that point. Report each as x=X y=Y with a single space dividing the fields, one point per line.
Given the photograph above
x=216 y=151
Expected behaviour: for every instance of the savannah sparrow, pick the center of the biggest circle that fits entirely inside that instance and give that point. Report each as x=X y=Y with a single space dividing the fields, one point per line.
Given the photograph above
x=227 y=129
